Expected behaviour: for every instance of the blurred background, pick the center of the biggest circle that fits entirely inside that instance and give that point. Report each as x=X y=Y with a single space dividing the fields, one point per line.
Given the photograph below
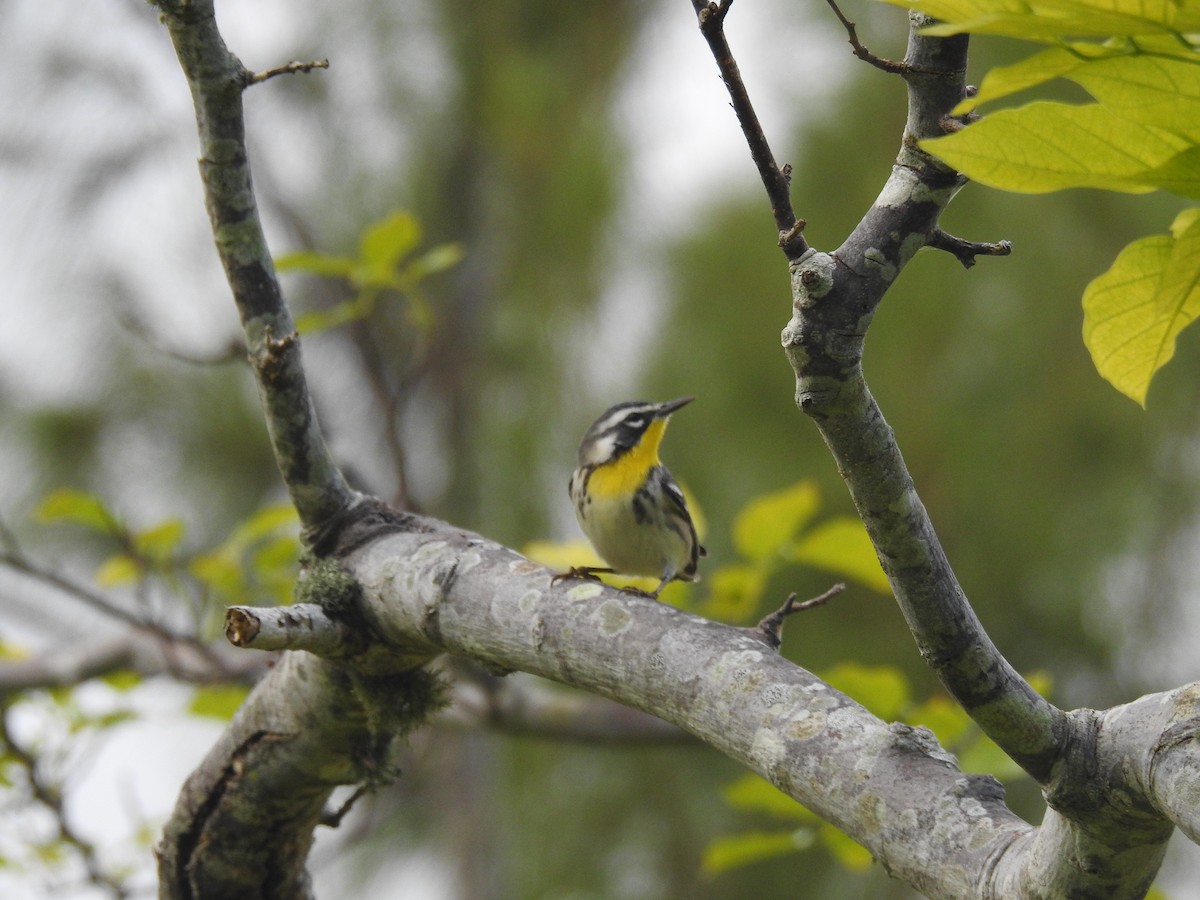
x=615 y=245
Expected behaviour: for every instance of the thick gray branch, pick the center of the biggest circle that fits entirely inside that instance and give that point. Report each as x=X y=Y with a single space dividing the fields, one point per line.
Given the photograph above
x=834 y=299
x=889 y=786
x=1101 y=838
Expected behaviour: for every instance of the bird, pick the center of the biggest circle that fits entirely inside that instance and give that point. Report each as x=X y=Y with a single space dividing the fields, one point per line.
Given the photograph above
x=628 y=504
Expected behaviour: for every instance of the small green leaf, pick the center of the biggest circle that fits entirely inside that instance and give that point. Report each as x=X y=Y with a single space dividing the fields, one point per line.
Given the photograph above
x=316 y=264
x=767 y=523
x=217 y=701
x=388 y=241
x=727 y=853
x=841 y=545
x=265 y=522
x=160 y=541
x=122 y=679
x=437 y=259
x=118 y=569
x=884 y=690
x=753 y=793
x=76 y=507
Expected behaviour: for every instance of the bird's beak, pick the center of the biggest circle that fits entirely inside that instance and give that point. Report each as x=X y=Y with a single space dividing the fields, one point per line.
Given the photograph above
x=665 y=409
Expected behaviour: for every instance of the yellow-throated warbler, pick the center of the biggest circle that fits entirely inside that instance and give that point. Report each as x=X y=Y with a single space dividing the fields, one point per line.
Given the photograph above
x=627 y=503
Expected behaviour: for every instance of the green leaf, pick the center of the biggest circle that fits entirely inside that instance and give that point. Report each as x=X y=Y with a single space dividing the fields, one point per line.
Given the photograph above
x=316 y=320
x=841 y=545
x=1147 y=88
x=122 y=679
x=1055 y=20
x=316 y=264
x=1179 y=175
x=438 y=259
x=217 y=701
x=1048 y=146
x=753 y=793
x=982 y=756
x=884 y=690
x=264 y=523
x=388 y=241
x=766 y=524
x=1135 y=310
x=1051 y=63
x=160 y=541
x=121 y=568
x=78 y=508
x=735 y=592
x=727 y=853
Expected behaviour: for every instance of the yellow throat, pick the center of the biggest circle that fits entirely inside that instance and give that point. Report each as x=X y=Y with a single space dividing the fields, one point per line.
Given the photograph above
x=625 y=474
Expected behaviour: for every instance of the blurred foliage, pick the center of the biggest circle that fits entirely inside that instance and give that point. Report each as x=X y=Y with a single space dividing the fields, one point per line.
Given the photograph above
x=502 y=129
x=771 y=534
x=256 y=563
x=1140 y=134
x=385 y=263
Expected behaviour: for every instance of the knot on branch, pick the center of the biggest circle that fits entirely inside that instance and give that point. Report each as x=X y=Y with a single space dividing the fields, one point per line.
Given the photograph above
x=812 y=278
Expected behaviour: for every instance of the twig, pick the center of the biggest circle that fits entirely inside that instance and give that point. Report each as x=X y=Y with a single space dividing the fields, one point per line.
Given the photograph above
x=770 y=629
x=51 y=798
x=234 y=350
x=966 y=251
x=139 y=650
x=101 y=604
x=886 y=65
x=291 y=68
x=332 y=818
x=711 y=17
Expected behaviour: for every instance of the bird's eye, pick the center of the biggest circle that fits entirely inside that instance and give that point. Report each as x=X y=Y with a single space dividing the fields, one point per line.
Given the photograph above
x=635 y=421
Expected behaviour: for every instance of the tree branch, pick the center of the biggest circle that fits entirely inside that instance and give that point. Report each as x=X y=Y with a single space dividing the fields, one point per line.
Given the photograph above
x=1114 y=826
x=875 y=781
x=146 y=652
x=217 y=79
x=50 y=797
x=776 y=180
x=886 y=65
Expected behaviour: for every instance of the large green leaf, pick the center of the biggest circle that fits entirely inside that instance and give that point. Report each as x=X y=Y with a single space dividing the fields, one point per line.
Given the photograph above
x=767 y=523
x=1053 y=20
x=841 y=545
x=1047 y=146
x=1135 y=310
